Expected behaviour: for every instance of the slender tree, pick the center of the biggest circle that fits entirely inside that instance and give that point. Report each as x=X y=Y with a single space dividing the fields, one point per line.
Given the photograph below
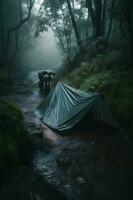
x=74 y=25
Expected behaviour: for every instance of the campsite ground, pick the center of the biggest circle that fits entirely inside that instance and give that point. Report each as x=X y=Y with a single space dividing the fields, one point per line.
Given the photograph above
x=75 y=166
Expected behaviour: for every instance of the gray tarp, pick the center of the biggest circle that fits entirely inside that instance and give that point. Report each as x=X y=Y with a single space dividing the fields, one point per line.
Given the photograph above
x=65 y=106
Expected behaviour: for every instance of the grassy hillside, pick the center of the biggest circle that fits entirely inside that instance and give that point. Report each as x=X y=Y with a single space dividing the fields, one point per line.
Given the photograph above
x=110 y=73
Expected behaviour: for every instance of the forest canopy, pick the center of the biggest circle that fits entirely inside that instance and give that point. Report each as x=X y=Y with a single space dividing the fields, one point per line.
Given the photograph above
x=76 y=23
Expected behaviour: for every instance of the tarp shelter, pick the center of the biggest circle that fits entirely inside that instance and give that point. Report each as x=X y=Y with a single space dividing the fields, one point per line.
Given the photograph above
x=65 y=106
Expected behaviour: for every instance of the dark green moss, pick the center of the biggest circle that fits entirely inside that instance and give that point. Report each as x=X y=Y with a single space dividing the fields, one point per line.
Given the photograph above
x=15 y=144
x=108 y=73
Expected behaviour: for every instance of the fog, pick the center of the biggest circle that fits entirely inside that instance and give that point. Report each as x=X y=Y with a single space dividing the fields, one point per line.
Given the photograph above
x=44 y=54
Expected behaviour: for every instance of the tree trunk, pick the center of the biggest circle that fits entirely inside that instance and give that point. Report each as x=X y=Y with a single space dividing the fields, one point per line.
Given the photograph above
x=78 y=39
x=91 y=13
x=104 y=17
x=111 y=20
x=98 y=14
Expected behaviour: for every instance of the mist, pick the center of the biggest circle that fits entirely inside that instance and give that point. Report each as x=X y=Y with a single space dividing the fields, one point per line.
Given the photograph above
x=44 y=54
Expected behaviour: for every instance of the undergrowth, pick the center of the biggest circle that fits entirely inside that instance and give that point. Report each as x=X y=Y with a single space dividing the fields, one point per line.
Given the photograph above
x=110 y=74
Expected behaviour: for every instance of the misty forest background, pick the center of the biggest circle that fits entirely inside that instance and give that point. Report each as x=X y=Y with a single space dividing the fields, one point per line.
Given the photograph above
x=94 y=41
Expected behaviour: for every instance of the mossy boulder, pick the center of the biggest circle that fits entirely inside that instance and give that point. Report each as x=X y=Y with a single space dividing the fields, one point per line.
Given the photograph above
x=15 y=144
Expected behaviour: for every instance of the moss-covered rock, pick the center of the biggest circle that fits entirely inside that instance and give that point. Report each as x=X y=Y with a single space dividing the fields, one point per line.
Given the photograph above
x=15 y=144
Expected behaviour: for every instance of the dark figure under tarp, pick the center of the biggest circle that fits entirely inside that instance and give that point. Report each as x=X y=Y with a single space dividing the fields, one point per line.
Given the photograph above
x=45 y=79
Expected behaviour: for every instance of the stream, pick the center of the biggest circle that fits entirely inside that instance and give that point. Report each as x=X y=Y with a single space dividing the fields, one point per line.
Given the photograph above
x=56 y=158
x=73 y=166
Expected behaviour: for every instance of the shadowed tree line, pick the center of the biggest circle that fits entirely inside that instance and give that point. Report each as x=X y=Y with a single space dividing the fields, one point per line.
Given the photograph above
x=15 y=28
x=76 y=24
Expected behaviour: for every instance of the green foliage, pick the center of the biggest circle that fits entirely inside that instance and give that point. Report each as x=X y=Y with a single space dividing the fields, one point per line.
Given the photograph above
x=97 y=82
x=107 y=60
x=15 y=144
x=108 y=74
